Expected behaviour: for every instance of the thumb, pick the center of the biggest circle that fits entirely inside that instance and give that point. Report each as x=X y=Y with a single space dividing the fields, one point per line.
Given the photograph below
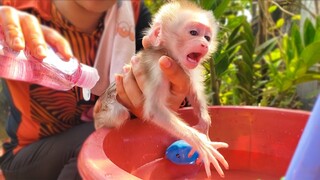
x=180 y=81
x=146 y=42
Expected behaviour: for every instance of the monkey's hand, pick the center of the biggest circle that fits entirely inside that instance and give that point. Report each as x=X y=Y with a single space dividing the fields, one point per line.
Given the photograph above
x=208 y=152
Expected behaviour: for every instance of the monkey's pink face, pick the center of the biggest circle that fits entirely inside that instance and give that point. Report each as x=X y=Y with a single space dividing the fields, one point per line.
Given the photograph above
x=194 y=44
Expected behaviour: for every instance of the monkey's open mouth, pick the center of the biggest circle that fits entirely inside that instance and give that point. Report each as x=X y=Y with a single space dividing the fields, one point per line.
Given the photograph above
x=194 y=57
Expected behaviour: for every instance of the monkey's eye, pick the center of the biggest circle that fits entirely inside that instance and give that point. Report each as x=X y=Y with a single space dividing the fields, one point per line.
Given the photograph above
x=193 y=32
x=207 y=38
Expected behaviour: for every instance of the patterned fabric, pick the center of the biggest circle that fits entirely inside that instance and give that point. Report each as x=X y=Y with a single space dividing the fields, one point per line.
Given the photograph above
x=117 y=44
x=63 y=109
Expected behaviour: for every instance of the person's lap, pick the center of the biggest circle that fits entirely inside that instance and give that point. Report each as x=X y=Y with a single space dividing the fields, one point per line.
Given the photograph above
x=54 y=157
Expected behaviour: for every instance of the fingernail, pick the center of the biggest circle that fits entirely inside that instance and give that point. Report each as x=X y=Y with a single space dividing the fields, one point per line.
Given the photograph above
x=126 y=68
x=69 y=52
x=134 y=60
x=41 y=51
x=165 y=62
x=17 y=42
x=117 y=78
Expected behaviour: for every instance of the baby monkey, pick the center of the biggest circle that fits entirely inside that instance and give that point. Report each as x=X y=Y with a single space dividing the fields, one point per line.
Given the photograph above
x=187 y=34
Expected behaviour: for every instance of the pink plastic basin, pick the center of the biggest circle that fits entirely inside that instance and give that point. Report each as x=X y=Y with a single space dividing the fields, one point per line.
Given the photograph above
x=261 y=144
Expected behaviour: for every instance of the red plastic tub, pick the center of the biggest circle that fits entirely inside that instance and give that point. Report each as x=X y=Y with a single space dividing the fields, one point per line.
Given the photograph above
x=261 y=144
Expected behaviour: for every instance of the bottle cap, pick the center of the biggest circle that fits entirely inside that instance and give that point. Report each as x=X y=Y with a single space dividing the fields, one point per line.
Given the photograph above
x=88 y=78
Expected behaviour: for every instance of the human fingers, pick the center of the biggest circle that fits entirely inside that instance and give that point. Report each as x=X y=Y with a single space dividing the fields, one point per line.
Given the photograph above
x=56 y=40
x=35 y=43
x=146 y=42
x=179 y=79
x=180 y=82
x=10 y=26
x=133 y=91
x=138 y=73
x=127 y=93
x=122 y=96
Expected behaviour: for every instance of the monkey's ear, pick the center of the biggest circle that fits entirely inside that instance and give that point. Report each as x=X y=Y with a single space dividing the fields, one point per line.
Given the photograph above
x=155 y=35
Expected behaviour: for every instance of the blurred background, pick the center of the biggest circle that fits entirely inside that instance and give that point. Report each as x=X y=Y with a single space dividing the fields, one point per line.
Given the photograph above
x=268 y=55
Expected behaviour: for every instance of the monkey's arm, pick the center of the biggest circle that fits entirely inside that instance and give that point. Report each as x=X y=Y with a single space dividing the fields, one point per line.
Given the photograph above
x=198 y=100
x=207 y=150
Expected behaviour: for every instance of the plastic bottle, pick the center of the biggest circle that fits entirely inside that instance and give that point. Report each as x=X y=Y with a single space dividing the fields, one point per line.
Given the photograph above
x=52 y=72
x=178 y=152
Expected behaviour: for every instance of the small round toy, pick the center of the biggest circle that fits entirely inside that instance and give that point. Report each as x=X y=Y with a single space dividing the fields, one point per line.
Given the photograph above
x=178 y=152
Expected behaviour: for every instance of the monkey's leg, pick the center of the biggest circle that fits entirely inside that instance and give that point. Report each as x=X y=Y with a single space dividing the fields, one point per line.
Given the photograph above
x=111 y=113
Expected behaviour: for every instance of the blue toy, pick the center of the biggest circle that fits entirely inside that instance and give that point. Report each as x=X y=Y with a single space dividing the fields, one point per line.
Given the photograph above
x=178 y=152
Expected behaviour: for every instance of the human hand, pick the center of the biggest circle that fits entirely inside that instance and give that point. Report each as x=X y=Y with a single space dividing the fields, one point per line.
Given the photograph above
x=130 y=84
x=23 y=31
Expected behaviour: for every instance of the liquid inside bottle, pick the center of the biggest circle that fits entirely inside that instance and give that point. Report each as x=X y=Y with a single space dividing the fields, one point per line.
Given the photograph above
x=52 y=72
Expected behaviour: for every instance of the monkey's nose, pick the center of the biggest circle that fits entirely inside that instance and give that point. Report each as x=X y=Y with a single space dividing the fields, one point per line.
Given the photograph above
x=204 y=45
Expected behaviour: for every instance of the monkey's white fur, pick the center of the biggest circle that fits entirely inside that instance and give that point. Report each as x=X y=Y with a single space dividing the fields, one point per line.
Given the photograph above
x=173 y=33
